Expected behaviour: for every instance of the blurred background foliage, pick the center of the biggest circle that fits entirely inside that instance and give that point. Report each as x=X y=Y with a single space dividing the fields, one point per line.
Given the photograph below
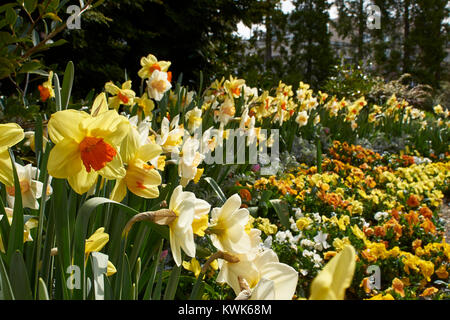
x=408 y=51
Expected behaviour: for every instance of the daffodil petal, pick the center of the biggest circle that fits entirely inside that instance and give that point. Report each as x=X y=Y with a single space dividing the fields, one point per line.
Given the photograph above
x=96 y=241
x=335 y=277
x=113 y=169
x=120 y=190
x=284 y=278
x=66 y=124
x=111 y=269
x=82 y=181
x=264 y=290
x=10 y=134
x=64 y=160
x=6 y=172
x=100 y=105
x=149 y=151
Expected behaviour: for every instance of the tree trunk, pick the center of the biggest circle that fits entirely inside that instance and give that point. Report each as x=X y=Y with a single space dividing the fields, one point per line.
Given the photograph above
x=361 y=25
x=268 y=54
x=406 y=46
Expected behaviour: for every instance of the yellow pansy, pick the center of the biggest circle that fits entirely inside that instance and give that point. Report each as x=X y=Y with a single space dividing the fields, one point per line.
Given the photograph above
x=382 y=297
x=339 y=244
x=357 y=232
x=303 y=223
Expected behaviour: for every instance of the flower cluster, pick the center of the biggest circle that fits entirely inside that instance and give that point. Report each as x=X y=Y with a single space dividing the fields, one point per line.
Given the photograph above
x=386 y=209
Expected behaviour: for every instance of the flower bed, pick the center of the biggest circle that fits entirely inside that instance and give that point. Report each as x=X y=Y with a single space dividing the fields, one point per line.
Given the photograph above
x=177 y=194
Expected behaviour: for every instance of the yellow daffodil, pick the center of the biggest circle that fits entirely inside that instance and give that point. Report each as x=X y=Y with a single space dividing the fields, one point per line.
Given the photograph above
x=335 y=277
x=171 y=136
x=150 y=64
x=145 y=105
x=95 y=243
x=193 y=266
x=140 y=178
x=46 y=89
x=194 y=119
x=86 y=147
x=120 y=96
x=10 y=134
x=225 y=112
x=233 y=86
x=302 y=118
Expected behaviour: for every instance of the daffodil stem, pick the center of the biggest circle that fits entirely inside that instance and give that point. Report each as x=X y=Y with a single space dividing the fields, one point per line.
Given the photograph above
x=219 y=255
x=161 y=217
x=246 y=292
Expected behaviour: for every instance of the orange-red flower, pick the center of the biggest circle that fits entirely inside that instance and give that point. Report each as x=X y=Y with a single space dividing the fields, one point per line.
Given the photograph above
x=379 y=231
x=398 y=287
x=413 y=201
x=245 y=195
x=412 y=217
x=428 y=226
x=429 y=291
x=426 y=212
x=416 y=244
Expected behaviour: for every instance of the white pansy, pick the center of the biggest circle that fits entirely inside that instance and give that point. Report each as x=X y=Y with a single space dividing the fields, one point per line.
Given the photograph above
x=321 y=241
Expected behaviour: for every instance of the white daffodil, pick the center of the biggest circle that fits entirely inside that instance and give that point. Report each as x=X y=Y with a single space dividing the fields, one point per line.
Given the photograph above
x=225 y=112
x=247 y=126
x=171 y=135
x=158 y=84
x=194 y=119
x=186 y=208
x=30 y=187
x=227 y=227
x=266 y=277
x=302 y=118
x=189 y=161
